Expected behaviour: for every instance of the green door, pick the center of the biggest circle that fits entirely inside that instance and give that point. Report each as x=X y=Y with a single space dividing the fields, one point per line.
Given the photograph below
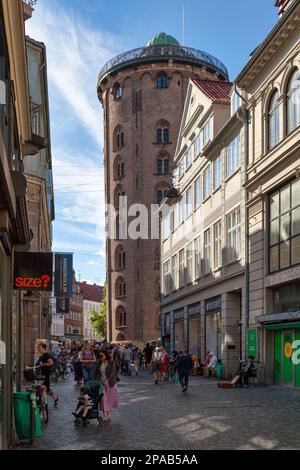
x=277 y=356
x=297 y=367
x=288 y=367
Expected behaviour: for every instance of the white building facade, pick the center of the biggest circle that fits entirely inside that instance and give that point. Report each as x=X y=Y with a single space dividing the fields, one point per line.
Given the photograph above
x=202 y=230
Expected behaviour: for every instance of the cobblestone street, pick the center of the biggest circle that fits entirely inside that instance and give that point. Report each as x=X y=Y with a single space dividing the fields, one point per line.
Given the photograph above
x=159 y=417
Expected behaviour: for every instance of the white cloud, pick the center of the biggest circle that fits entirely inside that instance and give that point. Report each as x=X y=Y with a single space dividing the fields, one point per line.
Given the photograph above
x=94 y=263
x=75 y=54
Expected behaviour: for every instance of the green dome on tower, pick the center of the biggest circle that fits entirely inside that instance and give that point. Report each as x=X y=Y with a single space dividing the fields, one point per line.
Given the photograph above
x=163 y=39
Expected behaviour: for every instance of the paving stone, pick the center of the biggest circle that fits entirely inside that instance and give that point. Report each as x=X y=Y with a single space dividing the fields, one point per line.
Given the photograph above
x=160 y=417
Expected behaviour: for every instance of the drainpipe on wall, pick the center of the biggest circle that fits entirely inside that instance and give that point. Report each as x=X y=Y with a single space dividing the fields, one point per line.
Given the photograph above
x=244 y=116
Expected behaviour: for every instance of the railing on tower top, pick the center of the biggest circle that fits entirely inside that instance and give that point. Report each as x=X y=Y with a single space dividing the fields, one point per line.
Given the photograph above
x=30 y=2
x=161 y=52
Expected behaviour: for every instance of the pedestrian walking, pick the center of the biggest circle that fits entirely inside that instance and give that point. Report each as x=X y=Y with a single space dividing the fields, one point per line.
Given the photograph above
x=156 y=365
x=106 y=373
x=46 y=362
x=136 y=359
x=147 y=352
x=78 y=367
x=126 y=360
x=87 y=359
x=184 y=366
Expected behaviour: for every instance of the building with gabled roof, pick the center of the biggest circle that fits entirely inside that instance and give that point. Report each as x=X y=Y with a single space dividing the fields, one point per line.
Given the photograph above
x=202 y=247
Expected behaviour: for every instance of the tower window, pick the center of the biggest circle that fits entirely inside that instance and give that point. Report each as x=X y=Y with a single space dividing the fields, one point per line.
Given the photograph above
x=162 y=81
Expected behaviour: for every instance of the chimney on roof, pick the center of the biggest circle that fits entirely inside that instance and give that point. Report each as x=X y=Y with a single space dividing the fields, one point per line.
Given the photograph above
x=282 y=5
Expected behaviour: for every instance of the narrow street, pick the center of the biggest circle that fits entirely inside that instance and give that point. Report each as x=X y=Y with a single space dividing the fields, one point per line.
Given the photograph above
x=160 y=417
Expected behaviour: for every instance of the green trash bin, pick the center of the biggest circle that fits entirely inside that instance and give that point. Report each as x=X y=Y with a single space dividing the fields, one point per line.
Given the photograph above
x=22 y=416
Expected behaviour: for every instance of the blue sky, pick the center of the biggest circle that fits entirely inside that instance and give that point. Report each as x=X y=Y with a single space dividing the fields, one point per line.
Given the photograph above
x=81 y=36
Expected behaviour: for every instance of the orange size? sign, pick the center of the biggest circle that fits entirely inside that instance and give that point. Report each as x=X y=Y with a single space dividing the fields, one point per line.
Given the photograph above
x=36 y=283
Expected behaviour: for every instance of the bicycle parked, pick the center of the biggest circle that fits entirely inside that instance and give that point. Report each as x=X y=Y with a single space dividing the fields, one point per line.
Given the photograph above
x=62 y=369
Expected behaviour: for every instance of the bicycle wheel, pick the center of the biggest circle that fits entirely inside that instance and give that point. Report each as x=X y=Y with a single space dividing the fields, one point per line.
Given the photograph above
x=44 y=413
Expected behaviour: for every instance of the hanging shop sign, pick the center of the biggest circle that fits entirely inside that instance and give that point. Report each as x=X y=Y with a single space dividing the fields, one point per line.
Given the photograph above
x=33 y=271
x=252 y=342
x=62 y=305
x=63 y=275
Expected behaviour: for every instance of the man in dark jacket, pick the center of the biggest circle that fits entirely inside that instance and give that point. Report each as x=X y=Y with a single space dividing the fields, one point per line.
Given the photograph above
x=184 y=366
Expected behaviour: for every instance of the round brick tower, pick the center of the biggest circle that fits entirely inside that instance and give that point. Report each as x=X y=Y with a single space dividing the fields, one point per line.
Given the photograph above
x=142 y=93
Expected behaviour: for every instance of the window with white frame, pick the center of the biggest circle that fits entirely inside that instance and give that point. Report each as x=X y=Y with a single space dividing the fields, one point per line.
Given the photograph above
x=175 y=272
x=293 y=101
x=166 y=224
x=197 y=192
x=284 y=226
x=181 y=168
x=217 y=172
x=188 y=202
x=235 y=102
x=166 y=278
x=207 y=132
x=217 y=245
x=189 y=263
x=197 y=256
x=234 y=234
x=197 y=146
x=233 y=157
x=189 y=158
x=207 y=252
x=274 y=120
x=181 y=210
x=181 y=268
x=207 y=182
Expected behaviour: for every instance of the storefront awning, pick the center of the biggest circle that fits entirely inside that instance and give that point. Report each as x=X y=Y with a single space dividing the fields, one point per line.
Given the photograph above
x=282 y=326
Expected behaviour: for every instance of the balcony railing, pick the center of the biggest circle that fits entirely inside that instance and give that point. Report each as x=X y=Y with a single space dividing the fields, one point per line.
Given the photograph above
x=160 y=53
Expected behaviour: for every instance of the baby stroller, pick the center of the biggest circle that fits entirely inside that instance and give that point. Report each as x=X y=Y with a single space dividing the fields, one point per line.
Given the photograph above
x=94 y=390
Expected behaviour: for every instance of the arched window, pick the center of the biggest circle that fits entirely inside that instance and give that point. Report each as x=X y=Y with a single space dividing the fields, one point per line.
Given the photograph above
x=162 y=132
x=119 y=193
x=120 y=317
x=160 y=195
x=119 y=168
x=162 y=166
x=120 y=258
x=162 y=81
x=274 y=121
x=118 y=138
x=292 y=102
x=165 y=136
x=120 y=287
x=117 y=91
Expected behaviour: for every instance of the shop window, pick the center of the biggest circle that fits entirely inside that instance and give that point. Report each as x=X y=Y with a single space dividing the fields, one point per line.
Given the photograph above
x=284 y=227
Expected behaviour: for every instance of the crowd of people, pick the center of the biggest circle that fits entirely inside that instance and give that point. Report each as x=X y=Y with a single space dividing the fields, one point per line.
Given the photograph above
x=105 y=363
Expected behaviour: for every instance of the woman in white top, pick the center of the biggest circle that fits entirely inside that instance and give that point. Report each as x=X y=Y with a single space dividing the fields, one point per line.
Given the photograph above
x=156 y=364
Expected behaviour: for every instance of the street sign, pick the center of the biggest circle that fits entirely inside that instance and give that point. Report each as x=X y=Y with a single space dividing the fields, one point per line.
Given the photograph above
x=63 y=275
x=33 y=271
